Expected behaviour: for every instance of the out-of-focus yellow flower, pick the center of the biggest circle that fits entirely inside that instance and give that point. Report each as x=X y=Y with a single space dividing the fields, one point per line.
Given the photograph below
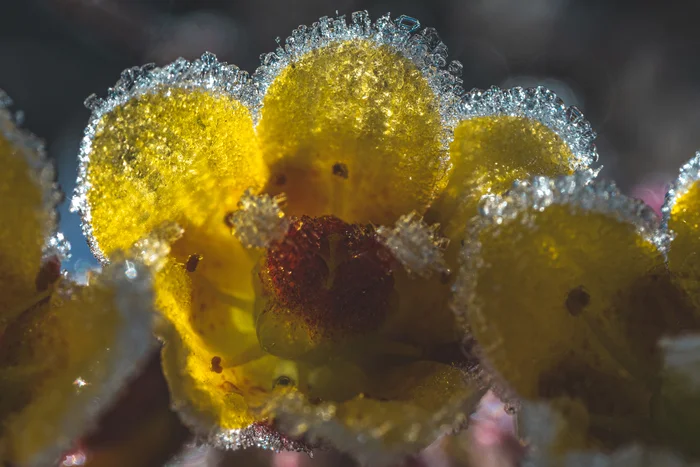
x=65 y=349
x=574 y=292
x=326 y=312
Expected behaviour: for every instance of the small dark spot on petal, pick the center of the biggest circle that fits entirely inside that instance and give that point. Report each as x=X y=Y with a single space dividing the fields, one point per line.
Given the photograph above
x=577 y=300
x=192 y=262
x=280 y=179
x=341 y=170
x=283 y=381
x=216 y=365
x=228 y=220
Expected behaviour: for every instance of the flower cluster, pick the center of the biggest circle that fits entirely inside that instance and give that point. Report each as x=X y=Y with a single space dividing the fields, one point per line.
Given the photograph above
x=345 y=248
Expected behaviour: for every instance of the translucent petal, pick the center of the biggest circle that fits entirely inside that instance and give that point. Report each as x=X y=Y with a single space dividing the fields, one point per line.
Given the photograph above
x=504 y=136
x=350 y=116
x=63 y=361
x=211 y=358
x=682 y=219
x=411 y=406
x=567 y=295
x=27 y=200
x=223 y=383
x=173 y=144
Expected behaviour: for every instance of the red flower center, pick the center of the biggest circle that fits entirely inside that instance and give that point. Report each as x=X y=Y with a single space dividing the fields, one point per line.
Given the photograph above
x=328 y=277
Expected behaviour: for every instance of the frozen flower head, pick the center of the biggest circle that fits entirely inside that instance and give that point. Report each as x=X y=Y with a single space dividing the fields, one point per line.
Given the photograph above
x=322 y=203
x=65 y=350
x=582 y=301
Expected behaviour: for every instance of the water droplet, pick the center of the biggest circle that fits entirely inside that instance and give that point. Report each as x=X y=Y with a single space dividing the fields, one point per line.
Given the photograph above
x=130 y=270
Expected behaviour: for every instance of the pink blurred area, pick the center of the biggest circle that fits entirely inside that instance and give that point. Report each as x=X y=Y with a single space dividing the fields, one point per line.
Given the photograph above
x=652 y=191
x=490 y=441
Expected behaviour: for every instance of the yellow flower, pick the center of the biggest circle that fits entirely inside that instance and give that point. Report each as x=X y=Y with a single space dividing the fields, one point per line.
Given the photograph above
x=578 y=296
x=343 y=168
x=65 y=349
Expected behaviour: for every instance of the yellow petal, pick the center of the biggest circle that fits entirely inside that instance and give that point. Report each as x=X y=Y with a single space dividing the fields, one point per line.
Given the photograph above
x=353 y=124
x=211 y=358
x=27 y=218
x=682 y=218
x=566 y=294
x=222 y=382
x=63 y=361
x=504 y=136
x=175 y=144
x=404 y=410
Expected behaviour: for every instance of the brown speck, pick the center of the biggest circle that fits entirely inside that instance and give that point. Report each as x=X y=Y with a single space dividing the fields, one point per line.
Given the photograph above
x=283 y=381
x=228 y=220
x=280 y=179
x=577 y=299
x=341 y=170
x=228 y=386
x=192 y=262
x=216 y=365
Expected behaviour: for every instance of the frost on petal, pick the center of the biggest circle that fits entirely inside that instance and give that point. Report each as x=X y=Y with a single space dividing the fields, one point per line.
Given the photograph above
x=681 y=217
x=355 y=118
x=154 y=249
x=503 y=136
x=258 y=435
x=416 y=245
x=28 y=196
x=412 y=406
x=168 y=144
x=562 y=282
x=259 y=220
x=63 y=360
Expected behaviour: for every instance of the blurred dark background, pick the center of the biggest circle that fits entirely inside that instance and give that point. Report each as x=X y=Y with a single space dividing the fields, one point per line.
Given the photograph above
x=633 y=67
